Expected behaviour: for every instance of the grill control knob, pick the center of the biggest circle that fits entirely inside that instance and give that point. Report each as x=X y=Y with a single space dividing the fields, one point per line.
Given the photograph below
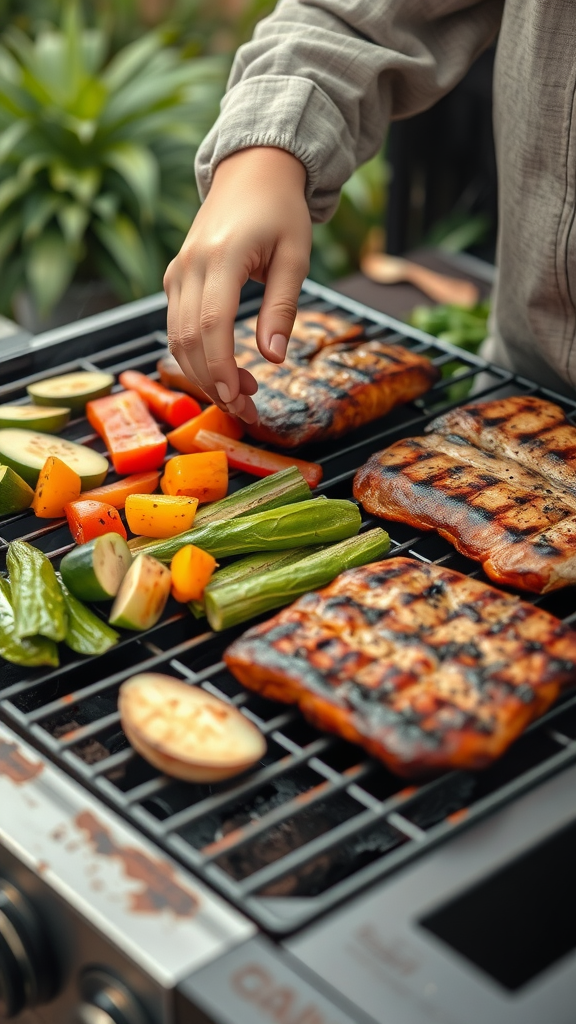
x=107 y=1001
x=27 y=970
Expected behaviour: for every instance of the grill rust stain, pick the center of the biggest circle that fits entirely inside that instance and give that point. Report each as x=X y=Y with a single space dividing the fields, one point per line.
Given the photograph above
x=160 y=890
x=15 y=766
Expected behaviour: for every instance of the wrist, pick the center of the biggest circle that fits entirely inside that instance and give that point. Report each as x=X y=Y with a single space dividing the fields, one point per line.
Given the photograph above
x=268 y=163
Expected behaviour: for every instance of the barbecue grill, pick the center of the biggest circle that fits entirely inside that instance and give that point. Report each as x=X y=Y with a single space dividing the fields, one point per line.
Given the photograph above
x=318 y=873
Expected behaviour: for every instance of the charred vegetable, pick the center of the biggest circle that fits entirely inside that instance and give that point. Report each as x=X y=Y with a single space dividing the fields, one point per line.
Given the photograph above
x=36 y=595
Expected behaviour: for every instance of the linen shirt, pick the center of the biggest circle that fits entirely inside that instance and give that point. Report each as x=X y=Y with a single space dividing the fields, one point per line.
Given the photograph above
x=323 y=79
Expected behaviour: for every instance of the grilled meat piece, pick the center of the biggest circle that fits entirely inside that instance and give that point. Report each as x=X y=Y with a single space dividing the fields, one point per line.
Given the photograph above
x=330 y=383
x=426 y=668
x=475 y=480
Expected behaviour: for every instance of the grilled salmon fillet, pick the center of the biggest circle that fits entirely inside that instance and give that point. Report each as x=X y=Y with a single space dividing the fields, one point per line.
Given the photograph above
x=497 y=479
x=331 y=382
x=424 y=667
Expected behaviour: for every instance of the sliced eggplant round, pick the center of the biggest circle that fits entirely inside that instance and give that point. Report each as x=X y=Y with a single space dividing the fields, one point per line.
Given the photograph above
x=95 y=570
x=186 y=732
x=71 y=389
x=26 y=451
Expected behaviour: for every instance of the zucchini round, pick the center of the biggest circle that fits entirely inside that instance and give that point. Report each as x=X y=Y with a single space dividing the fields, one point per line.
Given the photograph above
x=48 y=419
x=143 y=594
x=71 y=389
x=15 y=494
x=26 y=451
x=95 y=570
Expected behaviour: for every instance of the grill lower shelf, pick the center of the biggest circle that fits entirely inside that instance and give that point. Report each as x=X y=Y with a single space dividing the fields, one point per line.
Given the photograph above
x=317 y=819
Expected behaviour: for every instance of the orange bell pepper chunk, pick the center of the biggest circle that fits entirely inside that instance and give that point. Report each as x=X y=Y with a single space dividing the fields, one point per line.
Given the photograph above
x=191 y=570
x=56 y=486
x=160 y=515
x=89 y=519
x=116 y=493
x=212 y=418
x=203 y=476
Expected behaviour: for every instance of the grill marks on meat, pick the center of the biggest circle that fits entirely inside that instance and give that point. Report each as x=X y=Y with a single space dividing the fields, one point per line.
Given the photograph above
x=496 y=479
x=424 y=667
x=330 y=382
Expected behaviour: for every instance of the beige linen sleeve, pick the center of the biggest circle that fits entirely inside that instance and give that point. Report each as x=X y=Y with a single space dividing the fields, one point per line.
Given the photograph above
x=323 y=79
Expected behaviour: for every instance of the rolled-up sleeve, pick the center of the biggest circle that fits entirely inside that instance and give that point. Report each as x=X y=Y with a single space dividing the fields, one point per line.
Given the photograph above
x=322 y=79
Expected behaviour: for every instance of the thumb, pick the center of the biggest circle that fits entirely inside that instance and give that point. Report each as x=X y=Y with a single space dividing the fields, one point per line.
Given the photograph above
x=279 y=305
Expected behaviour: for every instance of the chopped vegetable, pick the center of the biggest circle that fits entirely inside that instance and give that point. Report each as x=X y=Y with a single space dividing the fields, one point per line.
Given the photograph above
x=171 y=376
x=26 y=451
x=133 y=438
x=142 y=596
x=57 y=485
x=191 y=570
x=88 y=519
x=243 y=568
x=254 y=460
x=36 y=596
x=273 y=492
x=116 y=493
x=29 y=651
x=71 y=389
x=95 y=570
x=160 y=515
x=203 y=476
x=263 y=591
x=173 y=407
x=86 y=633
x=212 y=418
x=318 y=521
x=34 y=417
x=186 y=732
x=15 y=493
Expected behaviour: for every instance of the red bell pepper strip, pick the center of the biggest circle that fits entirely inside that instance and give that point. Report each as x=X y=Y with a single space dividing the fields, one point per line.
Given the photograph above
x=115 y=494
x=173 y=407
x=88 y=519
x=253 y=460
x=134 y=440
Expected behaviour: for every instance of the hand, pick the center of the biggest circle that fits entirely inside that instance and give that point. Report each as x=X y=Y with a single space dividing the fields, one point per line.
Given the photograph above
x=255 y=224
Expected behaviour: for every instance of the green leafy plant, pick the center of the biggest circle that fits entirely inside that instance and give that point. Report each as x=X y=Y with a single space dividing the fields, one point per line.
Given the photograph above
x=96 y=157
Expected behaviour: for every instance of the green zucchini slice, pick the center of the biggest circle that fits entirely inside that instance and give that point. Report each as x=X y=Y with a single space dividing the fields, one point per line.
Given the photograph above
x=143 y=594
x=71 y=389
x=94 y=571
x=48 y=419
x=26 y=451
x=15 y=494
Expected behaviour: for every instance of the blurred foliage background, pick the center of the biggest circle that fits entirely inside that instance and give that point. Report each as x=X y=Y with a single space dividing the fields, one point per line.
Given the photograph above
x=102 y=107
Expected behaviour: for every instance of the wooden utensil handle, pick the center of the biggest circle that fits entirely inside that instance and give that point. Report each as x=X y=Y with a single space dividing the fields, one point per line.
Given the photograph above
x=441 y=288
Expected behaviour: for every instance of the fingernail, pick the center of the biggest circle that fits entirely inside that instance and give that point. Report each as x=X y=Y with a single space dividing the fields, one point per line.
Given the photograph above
x=238 y=405
x=224 y=392
x=278 y=345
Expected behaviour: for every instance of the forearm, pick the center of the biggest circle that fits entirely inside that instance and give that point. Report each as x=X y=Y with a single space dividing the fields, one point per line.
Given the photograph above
x=323 y=78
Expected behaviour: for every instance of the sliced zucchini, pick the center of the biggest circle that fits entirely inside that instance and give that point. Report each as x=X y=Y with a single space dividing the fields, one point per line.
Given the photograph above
x=26 y=451
x=15 y=494
x=48 y=419
x=71 y=389
x=94 y=571
x=143 y=594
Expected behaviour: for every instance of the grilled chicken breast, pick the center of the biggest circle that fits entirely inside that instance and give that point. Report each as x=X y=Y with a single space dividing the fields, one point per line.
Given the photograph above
x=424 y=667
x=496 y=479
x=330 y=382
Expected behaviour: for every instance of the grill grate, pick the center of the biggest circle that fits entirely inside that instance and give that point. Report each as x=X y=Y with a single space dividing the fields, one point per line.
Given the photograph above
x=317 y=819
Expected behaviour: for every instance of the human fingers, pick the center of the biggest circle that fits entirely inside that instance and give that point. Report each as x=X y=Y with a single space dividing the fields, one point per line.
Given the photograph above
x=284 y=278
x=248 y=383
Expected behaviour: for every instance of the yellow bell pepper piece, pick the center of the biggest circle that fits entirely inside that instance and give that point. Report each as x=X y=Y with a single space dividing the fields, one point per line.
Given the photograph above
x=159 y=515
x=203 y=476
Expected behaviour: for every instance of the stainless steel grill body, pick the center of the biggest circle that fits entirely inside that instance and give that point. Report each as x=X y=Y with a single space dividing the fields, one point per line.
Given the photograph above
x=317 y=821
